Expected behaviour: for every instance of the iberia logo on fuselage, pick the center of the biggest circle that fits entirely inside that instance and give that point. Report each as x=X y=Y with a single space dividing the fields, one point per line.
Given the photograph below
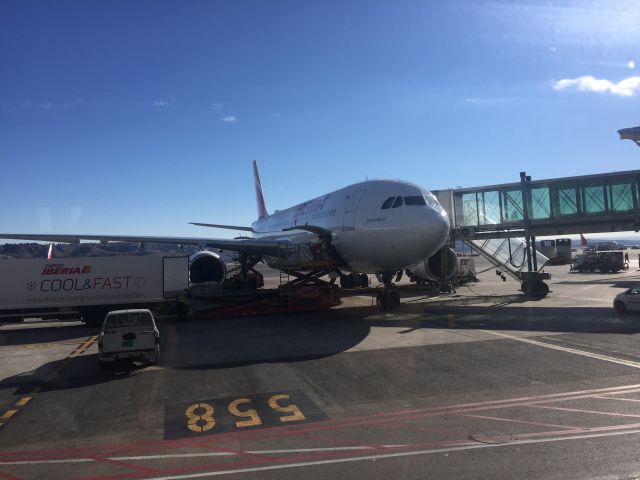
x=60 y=269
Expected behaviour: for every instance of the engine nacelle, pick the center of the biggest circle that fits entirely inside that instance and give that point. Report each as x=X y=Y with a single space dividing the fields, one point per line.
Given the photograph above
x=431 y=268
x=206 y=266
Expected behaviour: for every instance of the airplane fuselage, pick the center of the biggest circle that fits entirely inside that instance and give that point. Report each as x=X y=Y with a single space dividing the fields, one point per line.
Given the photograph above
x=376 y=225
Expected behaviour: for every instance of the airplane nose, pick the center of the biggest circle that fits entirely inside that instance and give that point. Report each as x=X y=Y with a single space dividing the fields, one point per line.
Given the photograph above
x=438 y=228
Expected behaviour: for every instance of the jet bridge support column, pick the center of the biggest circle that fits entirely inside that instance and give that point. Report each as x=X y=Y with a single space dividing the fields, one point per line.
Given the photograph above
x=531 y=280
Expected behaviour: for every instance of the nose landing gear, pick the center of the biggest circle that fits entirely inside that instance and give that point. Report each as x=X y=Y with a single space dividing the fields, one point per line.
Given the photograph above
x=388 y=297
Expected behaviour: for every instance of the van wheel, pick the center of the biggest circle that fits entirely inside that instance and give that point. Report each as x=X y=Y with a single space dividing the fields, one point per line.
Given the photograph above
x=620 y=307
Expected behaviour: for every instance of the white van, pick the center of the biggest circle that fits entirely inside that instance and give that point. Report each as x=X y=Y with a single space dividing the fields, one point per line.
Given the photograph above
x=129 y=335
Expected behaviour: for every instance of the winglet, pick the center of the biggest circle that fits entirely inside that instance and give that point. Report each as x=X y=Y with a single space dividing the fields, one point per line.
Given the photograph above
x=262 y=209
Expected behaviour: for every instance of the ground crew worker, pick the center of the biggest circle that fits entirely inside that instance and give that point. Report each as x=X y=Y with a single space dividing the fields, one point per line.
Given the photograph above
x=183 y=304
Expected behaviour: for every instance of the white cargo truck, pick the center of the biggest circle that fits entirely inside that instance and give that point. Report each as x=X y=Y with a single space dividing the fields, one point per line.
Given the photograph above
x=87 y=288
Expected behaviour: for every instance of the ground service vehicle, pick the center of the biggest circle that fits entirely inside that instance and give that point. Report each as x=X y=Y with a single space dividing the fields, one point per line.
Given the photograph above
x=88 y=287
x=129 y=335
x=603 y=262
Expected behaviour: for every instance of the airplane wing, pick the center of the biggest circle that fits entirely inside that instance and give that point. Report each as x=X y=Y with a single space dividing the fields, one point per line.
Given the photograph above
x=249 y=245
x=228 y=227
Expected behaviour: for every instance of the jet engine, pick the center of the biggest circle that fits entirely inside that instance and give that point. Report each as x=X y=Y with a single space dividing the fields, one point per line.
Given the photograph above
x=431 y=268
x=206 y=266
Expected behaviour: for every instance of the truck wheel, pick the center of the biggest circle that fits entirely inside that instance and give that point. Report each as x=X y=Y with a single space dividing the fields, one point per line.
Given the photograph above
x=364 y=280
x=620 y=307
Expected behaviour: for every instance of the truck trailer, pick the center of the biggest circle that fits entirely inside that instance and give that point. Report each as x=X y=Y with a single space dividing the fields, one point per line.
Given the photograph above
x=87 y=288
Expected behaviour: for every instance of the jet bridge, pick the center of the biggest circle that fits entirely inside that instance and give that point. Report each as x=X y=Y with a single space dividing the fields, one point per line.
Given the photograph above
x=605 y=202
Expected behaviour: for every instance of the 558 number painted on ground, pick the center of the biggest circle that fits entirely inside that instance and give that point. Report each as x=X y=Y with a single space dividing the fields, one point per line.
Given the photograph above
x=239 y=413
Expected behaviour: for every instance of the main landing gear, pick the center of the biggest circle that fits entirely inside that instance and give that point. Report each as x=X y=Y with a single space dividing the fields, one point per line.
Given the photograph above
x=388 y=297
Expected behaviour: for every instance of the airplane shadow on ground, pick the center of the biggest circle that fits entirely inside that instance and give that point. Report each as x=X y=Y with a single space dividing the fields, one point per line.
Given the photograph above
x=44 y=334
x=211 y=345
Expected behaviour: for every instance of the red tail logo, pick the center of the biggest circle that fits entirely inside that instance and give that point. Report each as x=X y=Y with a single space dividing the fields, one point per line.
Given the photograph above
x=583 y=241
x=262 y=209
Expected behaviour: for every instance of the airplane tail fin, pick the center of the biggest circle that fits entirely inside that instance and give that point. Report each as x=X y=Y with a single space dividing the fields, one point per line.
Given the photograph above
x=262 y=209
x=583 y=241
x=50 y=252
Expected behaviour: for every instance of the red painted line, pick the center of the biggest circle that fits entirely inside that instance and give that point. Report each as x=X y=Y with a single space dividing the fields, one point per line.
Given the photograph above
x=569 y=427
x=118 y=463
x=342 y=441
x=277 y=460
x=233 y=451
x=6 y=476
x=319 y=426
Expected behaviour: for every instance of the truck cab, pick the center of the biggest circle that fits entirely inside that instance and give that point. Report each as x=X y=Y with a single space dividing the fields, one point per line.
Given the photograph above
x=129 y=335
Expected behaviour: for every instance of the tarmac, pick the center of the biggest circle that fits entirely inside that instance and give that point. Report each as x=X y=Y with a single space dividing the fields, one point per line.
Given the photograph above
x=481 y=383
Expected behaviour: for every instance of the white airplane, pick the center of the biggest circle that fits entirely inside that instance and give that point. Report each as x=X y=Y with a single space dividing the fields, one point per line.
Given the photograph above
x=376 y=226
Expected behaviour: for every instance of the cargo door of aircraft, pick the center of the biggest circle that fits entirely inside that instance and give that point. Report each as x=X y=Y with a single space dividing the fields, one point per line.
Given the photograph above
x=353 y=200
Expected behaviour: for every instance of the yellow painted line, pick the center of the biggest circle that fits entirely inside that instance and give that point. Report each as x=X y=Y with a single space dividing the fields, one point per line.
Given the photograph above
x=85 y=345
x=23 y=401
x=451 y=320
x=8 y=414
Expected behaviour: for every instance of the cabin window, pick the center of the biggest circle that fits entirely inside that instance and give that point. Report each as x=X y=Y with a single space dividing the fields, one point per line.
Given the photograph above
x=387 y=203
x=417 y=200
x=398 y=202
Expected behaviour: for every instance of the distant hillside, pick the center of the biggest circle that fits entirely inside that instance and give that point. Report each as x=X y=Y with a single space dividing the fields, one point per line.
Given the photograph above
x=66 y=250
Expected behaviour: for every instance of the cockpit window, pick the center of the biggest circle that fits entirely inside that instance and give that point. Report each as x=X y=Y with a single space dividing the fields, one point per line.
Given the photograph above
x=431 y=199
x=398 y=202
x=414 y=200
x=387 y=203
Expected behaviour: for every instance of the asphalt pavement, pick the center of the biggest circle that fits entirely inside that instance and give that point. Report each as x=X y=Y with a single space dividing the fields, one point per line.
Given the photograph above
x=482 y=383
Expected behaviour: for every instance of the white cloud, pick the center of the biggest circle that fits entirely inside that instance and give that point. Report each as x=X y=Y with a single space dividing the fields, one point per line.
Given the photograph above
x=217 y=106
x=230 y=119
x=161 y=103
x=631 y=64
x=274 y=115
x=25 y=104
x=587 y=83
x=46 y=105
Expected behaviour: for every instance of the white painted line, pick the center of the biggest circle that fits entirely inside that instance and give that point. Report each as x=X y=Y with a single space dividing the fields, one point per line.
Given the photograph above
x=195 y=455
x=307 y=450
x=174 y=455
x=392 y=455
x=584 y=353
x=37 y=462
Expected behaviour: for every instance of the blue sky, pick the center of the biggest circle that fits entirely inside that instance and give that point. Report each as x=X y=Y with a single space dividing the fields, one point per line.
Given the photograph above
x=137 y=116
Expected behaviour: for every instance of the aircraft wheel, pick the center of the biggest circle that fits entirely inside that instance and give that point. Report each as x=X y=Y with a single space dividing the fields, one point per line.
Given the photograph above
x=381 y=301
x=394 y=299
